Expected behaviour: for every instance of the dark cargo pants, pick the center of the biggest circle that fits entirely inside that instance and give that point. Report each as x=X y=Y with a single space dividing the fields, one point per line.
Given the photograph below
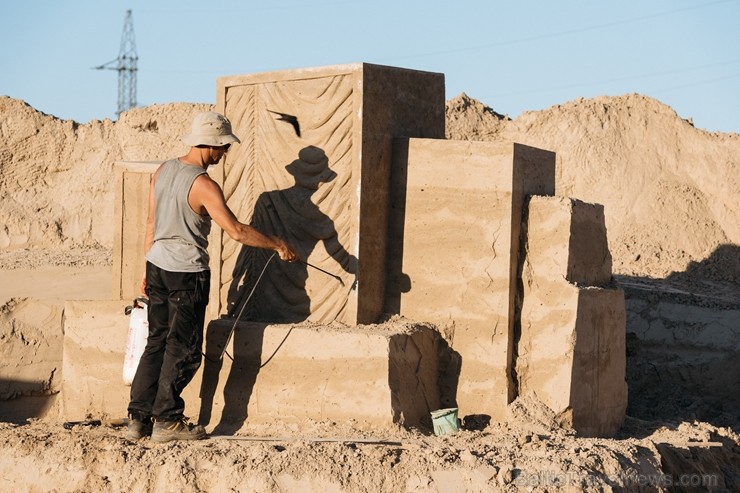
x=176 y=313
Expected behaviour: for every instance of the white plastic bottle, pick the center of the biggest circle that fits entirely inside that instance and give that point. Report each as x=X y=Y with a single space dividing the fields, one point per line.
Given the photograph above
x=138 y=333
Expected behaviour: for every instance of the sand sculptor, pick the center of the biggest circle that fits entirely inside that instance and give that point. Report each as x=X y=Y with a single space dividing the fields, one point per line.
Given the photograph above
x=182 y=201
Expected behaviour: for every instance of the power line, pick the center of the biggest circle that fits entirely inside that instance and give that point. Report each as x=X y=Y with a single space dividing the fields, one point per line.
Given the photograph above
x=697 y=83
x=555 y=34
x=627 y=78
x=125 y=64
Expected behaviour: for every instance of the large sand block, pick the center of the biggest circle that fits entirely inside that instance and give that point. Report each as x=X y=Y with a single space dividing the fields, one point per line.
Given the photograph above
x=571 y=347
x=325 y=188
x=373 y=375
x=572 y=356
x=568 y=241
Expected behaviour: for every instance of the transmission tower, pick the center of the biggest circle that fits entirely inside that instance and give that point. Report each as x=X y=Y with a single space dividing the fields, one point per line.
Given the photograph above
x=125 y=64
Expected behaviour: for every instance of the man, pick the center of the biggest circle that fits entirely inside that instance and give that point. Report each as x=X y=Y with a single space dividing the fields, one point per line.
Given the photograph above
x=182 y=201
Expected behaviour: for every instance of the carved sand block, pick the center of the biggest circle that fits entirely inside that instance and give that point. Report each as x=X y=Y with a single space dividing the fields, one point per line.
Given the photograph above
x=314 y=166
x=455 y=227
x=373 y=375
x=571 y=353
x=94 y=344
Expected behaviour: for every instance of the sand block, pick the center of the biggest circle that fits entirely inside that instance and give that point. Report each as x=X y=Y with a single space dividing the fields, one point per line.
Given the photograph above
x=568 y=241
x=131 y=186
x=572 y=356
x=95 y=334
x=371 y=376
x=321 y=183
x=30 y=352
x=30 y=358
x=455 y=224
x=571 y=348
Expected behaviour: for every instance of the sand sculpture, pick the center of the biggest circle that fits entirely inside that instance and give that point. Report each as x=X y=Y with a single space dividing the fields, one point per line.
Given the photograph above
x=410 y=224
x=668 y=191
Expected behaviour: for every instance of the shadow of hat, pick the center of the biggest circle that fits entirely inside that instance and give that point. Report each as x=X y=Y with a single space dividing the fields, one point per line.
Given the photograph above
x=311 y=168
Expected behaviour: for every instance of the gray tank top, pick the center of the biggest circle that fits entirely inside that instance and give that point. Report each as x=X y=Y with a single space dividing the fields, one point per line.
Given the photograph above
x=180 y=234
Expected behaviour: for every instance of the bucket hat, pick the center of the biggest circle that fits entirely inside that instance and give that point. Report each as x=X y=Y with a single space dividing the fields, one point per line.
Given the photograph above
x=211 y=129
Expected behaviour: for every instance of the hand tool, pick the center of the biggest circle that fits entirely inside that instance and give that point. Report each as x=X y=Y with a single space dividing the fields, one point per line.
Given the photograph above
x=325 y=272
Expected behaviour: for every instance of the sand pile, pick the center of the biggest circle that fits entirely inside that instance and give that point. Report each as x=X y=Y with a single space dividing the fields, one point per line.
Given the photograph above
x=56 y=178
x=669 y=192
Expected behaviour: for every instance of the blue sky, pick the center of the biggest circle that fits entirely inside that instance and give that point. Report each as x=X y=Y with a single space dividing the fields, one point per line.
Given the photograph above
x=513 y=56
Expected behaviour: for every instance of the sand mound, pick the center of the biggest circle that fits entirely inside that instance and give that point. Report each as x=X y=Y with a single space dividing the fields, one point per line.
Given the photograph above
x=668 y=189
x=56 y=176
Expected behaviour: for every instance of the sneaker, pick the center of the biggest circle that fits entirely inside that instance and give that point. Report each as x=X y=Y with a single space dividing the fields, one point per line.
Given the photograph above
x=165 y=431
x=138 y=428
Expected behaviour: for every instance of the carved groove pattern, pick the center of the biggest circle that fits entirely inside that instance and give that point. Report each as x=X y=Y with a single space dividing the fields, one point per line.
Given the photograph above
x=270 y=182
x=240 y=109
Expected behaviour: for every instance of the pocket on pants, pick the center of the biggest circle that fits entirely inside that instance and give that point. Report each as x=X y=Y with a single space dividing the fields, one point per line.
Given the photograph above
x=202 y=287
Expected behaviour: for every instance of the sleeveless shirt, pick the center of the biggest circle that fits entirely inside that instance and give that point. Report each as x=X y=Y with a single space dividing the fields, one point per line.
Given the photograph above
x=180 y=233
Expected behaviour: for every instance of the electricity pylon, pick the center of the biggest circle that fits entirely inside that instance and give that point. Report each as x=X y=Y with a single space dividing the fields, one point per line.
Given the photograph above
x=125 y=64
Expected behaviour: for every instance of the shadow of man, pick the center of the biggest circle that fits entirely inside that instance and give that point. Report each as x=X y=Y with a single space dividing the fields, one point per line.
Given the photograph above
x=295 y=213
x=265 y=291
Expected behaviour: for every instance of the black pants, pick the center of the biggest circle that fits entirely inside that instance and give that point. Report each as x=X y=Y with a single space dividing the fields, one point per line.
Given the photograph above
x=176 y=313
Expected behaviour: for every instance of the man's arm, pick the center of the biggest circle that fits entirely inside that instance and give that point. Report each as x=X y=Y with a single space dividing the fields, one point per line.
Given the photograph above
x=207 y=194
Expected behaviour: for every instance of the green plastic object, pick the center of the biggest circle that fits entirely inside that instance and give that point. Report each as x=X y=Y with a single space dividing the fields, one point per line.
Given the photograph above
x=445 y=421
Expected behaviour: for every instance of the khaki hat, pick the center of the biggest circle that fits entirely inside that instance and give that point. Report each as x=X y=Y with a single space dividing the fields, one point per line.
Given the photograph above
x=211 y=129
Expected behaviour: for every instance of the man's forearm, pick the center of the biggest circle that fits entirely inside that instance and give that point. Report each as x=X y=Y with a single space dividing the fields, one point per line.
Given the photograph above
x=250 y=236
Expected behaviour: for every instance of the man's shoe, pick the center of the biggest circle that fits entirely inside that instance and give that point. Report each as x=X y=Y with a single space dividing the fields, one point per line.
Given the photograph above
x=165 y=431
x=138 y=428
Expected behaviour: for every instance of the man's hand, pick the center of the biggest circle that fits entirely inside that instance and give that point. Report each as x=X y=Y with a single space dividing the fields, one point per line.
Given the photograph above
x=285 y=251
x=143 y=284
